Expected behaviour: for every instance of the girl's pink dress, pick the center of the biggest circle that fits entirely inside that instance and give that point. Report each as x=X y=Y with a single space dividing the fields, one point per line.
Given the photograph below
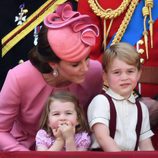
x=82 y=139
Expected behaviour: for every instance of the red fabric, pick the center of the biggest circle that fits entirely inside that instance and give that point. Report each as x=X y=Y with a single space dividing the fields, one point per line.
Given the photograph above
x=91 y=154
x=148 y=90
x=155 y=139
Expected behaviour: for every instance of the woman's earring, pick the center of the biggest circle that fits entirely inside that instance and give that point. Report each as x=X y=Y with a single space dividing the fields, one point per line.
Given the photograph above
x=55 y=73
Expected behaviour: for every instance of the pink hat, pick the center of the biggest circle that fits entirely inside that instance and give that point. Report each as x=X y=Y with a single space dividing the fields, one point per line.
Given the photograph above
x=70 y=34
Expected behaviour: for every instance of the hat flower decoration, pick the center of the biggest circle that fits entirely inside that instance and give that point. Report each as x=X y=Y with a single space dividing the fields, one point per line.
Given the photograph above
x=70 y=34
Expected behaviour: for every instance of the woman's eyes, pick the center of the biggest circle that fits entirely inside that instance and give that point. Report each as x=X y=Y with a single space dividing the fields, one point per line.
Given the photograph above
x=78 y=63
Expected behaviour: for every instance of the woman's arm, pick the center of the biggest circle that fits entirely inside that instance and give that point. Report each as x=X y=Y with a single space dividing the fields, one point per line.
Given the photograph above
x=9 y=143
x=101 y=133
x=9 y=108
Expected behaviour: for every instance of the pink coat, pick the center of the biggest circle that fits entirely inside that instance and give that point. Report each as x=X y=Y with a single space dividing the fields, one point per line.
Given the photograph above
x=22 y=99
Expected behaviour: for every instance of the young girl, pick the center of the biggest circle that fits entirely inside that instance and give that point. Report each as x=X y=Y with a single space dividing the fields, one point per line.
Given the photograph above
x=119 y=122
x=63 y=126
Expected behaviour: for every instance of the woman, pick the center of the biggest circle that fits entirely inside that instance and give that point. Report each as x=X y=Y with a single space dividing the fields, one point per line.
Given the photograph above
x=59 y=62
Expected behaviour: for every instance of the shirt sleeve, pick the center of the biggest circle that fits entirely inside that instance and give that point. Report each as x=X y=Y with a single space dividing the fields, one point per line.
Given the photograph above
x=43 y=139
x=145 y=130
x=9 y=108
x=98 y=111
x=82 y=141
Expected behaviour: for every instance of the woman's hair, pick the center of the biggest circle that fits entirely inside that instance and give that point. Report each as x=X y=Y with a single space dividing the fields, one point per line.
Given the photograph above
x=123 y=51
x=42 y=53
x=65 y=35
x=64 y=96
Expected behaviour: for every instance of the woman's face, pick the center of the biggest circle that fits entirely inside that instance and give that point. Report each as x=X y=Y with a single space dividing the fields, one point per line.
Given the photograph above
x=74 y=71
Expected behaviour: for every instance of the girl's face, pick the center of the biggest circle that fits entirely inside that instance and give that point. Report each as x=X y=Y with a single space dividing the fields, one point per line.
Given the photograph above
x=60 y=113
x=74 y=72
x=122 y=78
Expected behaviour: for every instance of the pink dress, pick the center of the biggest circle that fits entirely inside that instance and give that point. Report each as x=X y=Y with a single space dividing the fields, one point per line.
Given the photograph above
x=23 y=97
x=82 y=140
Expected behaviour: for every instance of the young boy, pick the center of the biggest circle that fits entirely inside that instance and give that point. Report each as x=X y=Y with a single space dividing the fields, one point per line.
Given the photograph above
x=118 y=121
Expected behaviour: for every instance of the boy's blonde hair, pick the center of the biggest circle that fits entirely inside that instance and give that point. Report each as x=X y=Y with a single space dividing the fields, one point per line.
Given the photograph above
x=123 y=51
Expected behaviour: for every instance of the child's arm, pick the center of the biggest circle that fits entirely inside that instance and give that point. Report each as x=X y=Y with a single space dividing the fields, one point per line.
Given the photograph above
x=101 y=133
x=146 y=144
x=68 y=132
x=42 y=139
x=70 y=144
x=57 y=146
x=59 y=141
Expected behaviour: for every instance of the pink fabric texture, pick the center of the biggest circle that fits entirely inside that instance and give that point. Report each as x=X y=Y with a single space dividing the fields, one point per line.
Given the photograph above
x=70 y=34
x=82 y=140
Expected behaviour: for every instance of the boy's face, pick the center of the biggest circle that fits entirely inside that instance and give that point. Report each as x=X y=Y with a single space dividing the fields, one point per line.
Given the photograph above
x=122 y=78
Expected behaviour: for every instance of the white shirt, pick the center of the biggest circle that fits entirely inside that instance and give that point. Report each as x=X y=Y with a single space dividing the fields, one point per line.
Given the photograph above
x=125 y=134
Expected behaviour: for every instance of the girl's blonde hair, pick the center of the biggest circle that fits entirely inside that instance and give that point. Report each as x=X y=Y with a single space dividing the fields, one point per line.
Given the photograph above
x=64 y=96
x=123 y=51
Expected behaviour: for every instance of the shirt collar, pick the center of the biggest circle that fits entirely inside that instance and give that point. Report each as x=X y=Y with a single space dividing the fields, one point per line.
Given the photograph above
x=118 y=97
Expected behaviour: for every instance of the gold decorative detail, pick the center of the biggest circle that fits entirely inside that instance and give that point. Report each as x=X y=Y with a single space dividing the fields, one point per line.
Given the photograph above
x=142 y=60
x=125 y=21
x=108 y=13
x=106 y=32
x=145 y=12
x=149 y=4
x=140 y=51
x=111 y=14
